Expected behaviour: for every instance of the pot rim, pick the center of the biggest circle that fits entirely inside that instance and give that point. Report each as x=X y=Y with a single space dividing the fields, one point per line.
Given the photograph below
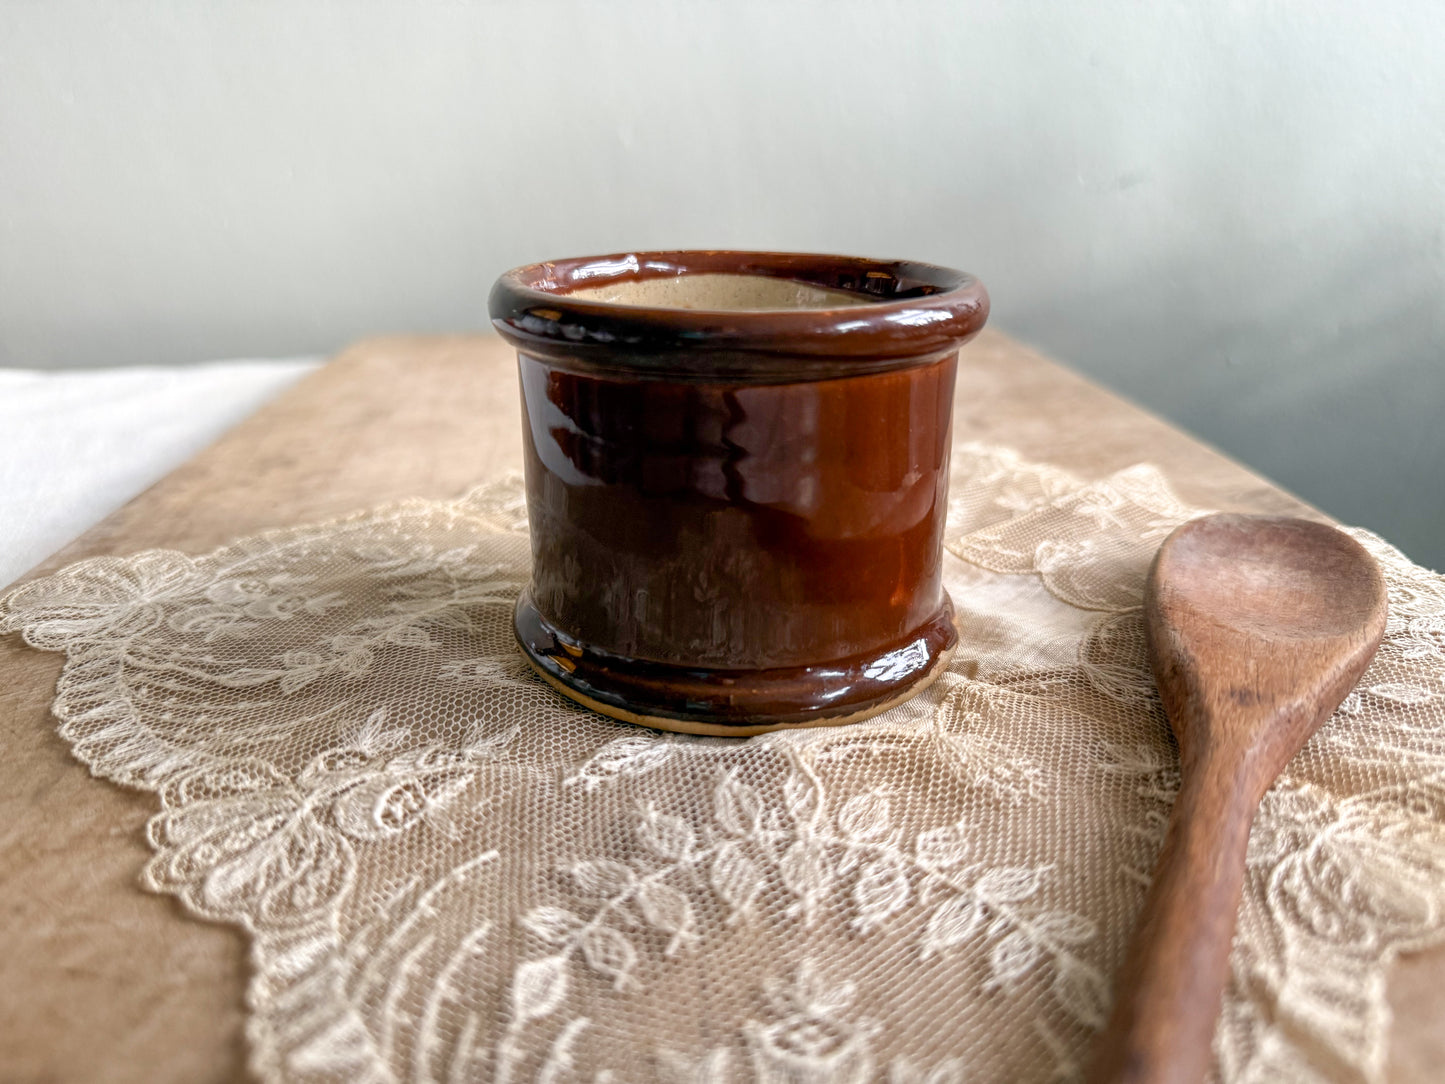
x=922 y=311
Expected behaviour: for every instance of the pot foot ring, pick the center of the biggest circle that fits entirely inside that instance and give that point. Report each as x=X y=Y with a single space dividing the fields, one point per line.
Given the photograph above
x=735 y=703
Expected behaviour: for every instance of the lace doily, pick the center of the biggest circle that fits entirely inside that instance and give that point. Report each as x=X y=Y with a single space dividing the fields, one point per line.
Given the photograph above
x=449 y=872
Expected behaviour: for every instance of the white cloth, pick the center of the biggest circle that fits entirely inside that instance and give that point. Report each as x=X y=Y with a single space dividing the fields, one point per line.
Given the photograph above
x=79 y=444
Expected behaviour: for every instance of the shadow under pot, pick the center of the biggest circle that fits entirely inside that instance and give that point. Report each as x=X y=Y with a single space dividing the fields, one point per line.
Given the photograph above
x=737 y=479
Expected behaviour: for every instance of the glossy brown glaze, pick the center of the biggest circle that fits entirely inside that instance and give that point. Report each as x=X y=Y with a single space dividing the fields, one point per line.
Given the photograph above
x=732 y=539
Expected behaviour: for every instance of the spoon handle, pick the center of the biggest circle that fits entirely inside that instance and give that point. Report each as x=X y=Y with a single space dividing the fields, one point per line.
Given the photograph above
x=1167 y=993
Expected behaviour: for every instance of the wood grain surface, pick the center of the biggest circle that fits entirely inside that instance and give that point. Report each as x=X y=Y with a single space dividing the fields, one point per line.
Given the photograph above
x=102 y=981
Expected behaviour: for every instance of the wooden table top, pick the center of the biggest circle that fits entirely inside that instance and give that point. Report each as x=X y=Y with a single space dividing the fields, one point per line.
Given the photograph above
x=102 y=981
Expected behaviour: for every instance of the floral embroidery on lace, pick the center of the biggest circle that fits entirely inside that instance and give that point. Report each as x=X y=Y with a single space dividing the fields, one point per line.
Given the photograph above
x=451 y=873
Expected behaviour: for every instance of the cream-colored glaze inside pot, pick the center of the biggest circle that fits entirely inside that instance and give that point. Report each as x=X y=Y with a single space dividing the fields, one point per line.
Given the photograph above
x=721 y=293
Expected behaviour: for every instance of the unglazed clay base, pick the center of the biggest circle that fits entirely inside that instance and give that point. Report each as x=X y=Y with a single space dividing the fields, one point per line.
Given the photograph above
x=733 y=703
x=722 y=293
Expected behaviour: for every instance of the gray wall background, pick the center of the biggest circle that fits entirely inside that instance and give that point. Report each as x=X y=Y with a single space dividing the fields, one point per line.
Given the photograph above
x=1233 y=212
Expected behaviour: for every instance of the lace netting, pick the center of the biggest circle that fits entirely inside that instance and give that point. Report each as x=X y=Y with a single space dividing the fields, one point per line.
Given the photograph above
x=450 y=872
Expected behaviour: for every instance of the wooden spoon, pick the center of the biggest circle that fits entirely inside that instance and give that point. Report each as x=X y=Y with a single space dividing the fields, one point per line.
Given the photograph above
x=1258 y=627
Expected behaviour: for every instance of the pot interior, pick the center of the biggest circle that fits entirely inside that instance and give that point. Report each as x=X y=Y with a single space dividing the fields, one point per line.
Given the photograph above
x=720 y=292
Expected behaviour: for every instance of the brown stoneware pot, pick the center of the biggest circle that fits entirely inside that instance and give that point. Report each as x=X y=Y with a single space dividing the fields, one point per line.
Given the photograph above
x=737 y=476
